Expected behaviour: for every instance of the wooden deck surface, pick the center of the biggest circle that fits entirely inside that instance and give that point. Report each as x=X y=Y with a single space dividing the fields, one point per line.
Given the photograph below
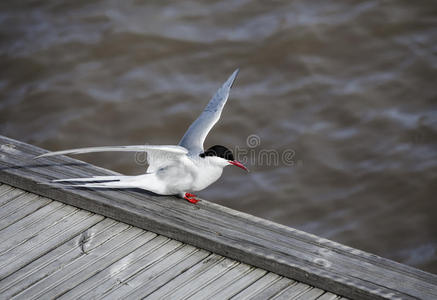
x=52 y=250
x=238 y=237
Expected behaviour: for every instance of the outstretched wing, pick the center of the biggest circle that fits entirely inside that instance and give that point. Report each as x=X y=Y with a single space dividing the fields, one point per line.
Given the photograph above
x=133 y=148
x=196 y=134
x=158 y=156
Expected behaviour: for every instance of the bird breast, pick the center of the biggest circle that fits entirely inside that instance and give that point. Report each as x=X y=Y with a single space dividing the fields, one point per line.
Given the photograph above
x=205 y=175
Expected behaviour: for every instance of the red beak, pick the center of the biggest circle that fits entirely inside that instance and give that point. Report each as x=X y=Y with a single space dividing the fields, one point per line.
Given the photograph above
x=238 y=164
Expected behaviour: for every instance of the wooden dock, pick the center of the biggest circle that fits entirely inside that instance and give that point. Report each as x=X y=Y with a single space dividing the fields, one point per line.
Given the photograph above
x=116 y=244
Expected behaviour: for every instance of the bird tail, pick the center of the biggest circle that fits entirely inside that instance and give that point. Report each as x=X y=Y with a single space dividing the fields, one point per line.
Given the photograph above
x=94 y=178
x=114 y=182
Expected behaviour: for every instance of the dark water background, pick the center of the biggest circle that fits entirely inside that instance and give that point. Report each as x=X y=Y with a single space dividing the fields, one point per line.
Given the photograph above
x=349 y=88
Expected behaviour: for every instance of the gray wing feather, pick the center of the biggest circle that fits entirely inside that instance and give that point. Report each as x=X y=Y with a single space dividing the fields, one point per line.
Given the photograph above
x=134 y=148
x=158 y=156
x=195 y=136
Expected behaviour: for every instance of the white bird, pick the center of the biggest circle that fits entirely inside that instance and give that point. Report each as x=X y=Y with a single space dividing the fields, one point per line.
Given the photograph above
x=172 y=170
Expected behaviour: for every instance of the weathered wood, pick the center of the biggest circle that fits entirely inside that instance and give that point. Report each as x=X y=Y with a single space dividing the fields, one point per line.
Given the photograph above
x=197 y=280
x=48 y=211
x=85 y=266
x=53 y=260
x=329 y=296
x=37 y=244
x=312 y=293
x=121 y=271
x=16 y=204
x=280 y=249
x=159 y=279
x=8 y=194
x=264 y=288
x=20 y=207
x=150 y=273
x=297 y=291
x=220 y=282
x=12 y=239
x=107 y=259
x=240 y=284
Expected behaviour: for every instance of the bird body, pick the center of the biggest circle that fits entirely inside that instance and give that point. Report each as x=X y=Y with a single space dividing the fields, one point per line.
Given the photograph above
x=172 y=170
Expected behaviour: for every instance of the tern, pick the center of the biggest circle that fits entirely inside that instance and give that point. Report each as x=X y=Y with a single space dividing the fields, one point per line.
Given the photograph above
x=172 y=169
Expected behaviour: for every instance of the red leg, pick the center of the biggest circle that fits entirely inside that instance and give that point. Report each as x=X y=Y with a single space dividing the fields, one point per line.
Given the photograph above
x=190 y=198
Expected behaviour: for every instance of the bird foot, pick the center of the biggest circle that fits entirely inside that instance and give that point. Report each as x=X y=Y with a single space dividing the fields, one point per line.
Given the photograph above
x=191 y=198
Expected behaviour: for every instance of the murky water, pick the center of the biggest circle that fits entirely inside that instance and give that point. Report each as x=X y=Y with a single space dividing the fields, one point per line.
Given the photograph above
x=346 y=89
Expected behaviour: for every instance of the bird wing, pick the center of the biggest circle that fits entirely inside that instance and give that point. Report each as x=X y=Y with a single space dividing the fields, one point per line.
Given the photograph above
x=195 y=136
x=157 y=155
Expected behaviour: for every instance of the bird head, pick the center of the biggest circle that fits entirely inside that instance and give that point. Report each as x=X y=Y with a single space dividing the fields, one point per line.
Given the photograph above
x=221 y=156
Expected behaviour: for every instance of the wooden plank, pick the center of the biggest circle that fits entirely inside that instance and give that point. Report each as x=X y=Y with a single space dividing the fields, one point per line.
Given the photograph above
x=12 y=239
x=189 y=288
x=8 y=193
x=312 y=293
x=30 y=220
x=35 y=205
x=4 y=188
x=167 y=270
x=16 y=204
x=240 y=284
x=44 y=241
x=220 y=282
x=267 y=286
x=23 y=206
x=159 y=268
x=293 y=291
x=86 y=266
x=280 y=249
x=117 y=274
x=194 y=277
x=328 y=296
x=59 y=257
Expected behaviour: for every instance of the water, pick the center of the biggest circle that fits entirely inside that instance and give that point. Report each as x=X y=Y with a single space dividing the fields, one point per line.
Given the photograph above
x=346 y=88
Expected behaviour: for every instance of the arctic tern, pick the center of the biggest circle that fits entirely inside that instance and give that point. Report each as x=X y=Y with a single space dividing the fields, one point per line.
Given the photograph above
x=172 y=170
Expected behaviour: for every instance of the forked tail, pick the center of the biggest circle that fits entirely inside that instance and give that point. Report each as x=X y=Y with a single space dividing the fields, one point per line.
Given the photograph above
x=114 y=182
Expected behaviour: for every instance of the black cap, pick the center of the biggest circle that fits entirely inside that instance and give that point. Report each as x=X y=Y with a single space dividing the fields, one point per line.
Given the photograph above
x=220 y=151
